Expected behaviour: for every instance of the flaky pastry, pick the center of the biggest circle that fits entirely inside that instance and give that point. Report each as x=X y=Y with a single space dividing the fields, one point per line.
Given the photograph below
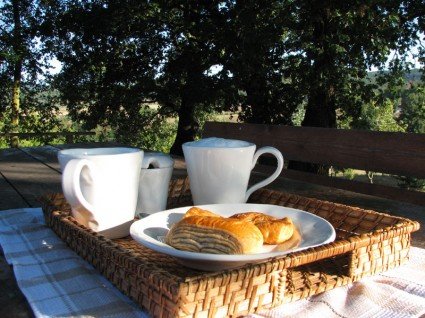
x=215 y=235
x=195 y=211
x=274 y=230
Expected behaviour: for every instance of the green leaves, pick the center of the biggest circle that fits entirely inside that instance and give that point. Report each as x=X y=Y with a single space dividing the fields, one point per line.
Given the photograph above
x=276 y=62
x=378 y=117
x=413 y=108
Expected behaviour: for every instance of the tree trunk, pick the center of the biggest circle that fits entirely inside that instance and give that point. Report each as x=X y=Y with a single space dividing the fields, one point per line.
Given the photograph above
x=321 y=105
x=257 y=101
x=320 y=110
x=17 y=71
x=16 y=103
x=189 y=59
x=187 y=127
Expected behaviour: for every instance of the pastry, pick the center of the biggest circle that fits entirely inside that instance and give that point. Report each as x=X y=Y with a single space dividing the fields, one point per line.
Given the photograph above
x=195 y=211
x=254 y=217
x=215 y=235
x=274 y=230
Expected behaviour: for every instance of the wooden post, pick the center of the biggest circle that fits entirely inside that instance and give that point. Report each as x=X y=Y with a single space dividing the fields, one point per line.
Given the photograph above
x=69 y=138
x=14 y=141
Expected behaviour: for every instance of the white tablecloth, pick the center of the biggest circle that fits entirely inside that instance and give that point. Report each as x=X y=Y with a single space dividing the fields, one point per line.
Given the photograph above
x=58 y=283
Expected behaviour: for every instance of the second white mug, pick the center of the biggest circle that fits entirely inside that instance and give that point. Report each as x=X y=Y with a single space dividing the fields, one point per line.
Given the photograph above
x=155 y=176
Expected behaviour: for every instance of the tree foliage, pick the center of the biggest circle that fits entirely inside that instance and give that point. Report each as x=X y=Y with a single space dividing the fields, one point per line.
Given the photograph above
x=187 y=82
x=337 y=42
x=413 y=117
x=378 y=117
x=413 y=109
x=260 y=61
x=129 y=65
x=110 y=51
x=139 y=54
x=25 y=102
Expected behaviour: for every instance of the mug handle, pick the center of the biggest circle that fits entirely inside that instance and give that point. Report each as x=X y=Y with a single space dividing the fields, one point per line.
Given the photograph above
x=276 y=173
x=147 y=161
x=157 y=161
x=71 y=183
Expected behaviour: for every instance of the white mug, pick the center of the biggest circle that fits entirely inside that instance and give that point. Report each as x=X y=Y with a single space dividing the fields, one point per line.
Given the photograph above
x=155 y=177
x=101 y=186
x=219 y=169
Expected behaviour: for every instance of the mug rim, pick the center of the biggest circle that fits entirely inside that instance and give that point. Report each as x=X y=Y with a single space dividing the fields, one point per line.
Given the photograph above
x=150 y=157
x=106 y=151
x=157 y=169
x=247 y=144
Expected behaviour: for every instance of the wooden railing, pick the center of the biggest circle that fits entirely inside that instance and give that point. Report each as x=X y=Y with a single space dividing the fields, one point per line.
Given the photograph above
x=393 y=153
x=69 y=136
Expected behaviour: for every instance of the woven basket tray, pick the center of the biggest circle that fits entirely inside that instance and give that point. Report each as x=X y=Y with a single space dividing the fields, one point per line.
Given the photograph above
x=367 y=243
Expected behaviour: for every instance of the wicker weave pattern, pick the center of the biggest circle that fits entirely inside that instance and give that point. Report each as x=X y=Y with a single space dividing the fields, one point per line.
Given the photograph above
x=367 y=243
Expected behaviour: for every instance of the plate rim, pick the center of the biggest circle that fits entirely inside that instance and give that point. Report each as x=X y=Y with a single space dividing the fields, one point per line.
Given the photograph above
x=169 y=250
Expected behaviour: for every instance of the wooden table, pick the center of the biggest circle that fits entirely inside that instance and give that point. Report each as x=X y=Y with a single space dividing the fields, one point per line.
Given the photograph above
x=28 y=173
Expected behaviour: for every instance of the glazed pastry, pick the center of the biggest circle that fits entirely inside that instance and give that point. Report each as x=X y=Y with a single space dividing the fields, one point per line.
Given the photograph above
x=215 y=235
x=275 y=231
x=253 y=217
x=195 y=211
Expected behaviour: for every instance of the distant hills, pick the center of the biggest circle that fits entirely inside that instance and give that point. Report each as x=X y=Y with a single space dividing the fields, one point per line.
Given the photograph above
x=413 y=76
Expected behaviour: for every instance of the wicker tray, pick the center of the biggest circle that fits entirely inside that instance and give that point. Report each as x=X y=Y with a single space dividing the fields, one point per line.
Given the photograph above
x=367 y=243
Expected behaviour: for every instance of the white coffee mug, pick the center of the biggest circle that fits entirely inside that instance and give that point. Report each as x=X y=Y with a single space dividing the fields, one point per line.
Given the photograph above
x=155 y=177
x=101 y=186
x=219 y=169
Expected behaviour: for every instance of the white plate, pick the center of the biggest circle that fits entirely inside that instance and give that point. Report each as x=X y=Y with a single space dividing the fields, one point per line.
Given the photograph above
x=151 y=231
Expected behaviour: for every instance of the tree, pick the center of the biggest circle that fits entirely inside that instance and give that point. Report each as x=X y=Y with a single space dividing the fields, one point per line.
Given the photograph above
x=378 y=117
x=413 y=116
x=257 y=57
x=24 y=62
x=286 y=54
x=110 y=51
x=138 y=55
x=341 y=41
x=18 y=48
x=336 y=43
x=187 y=82
x=413 y=109
x=416 y=15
